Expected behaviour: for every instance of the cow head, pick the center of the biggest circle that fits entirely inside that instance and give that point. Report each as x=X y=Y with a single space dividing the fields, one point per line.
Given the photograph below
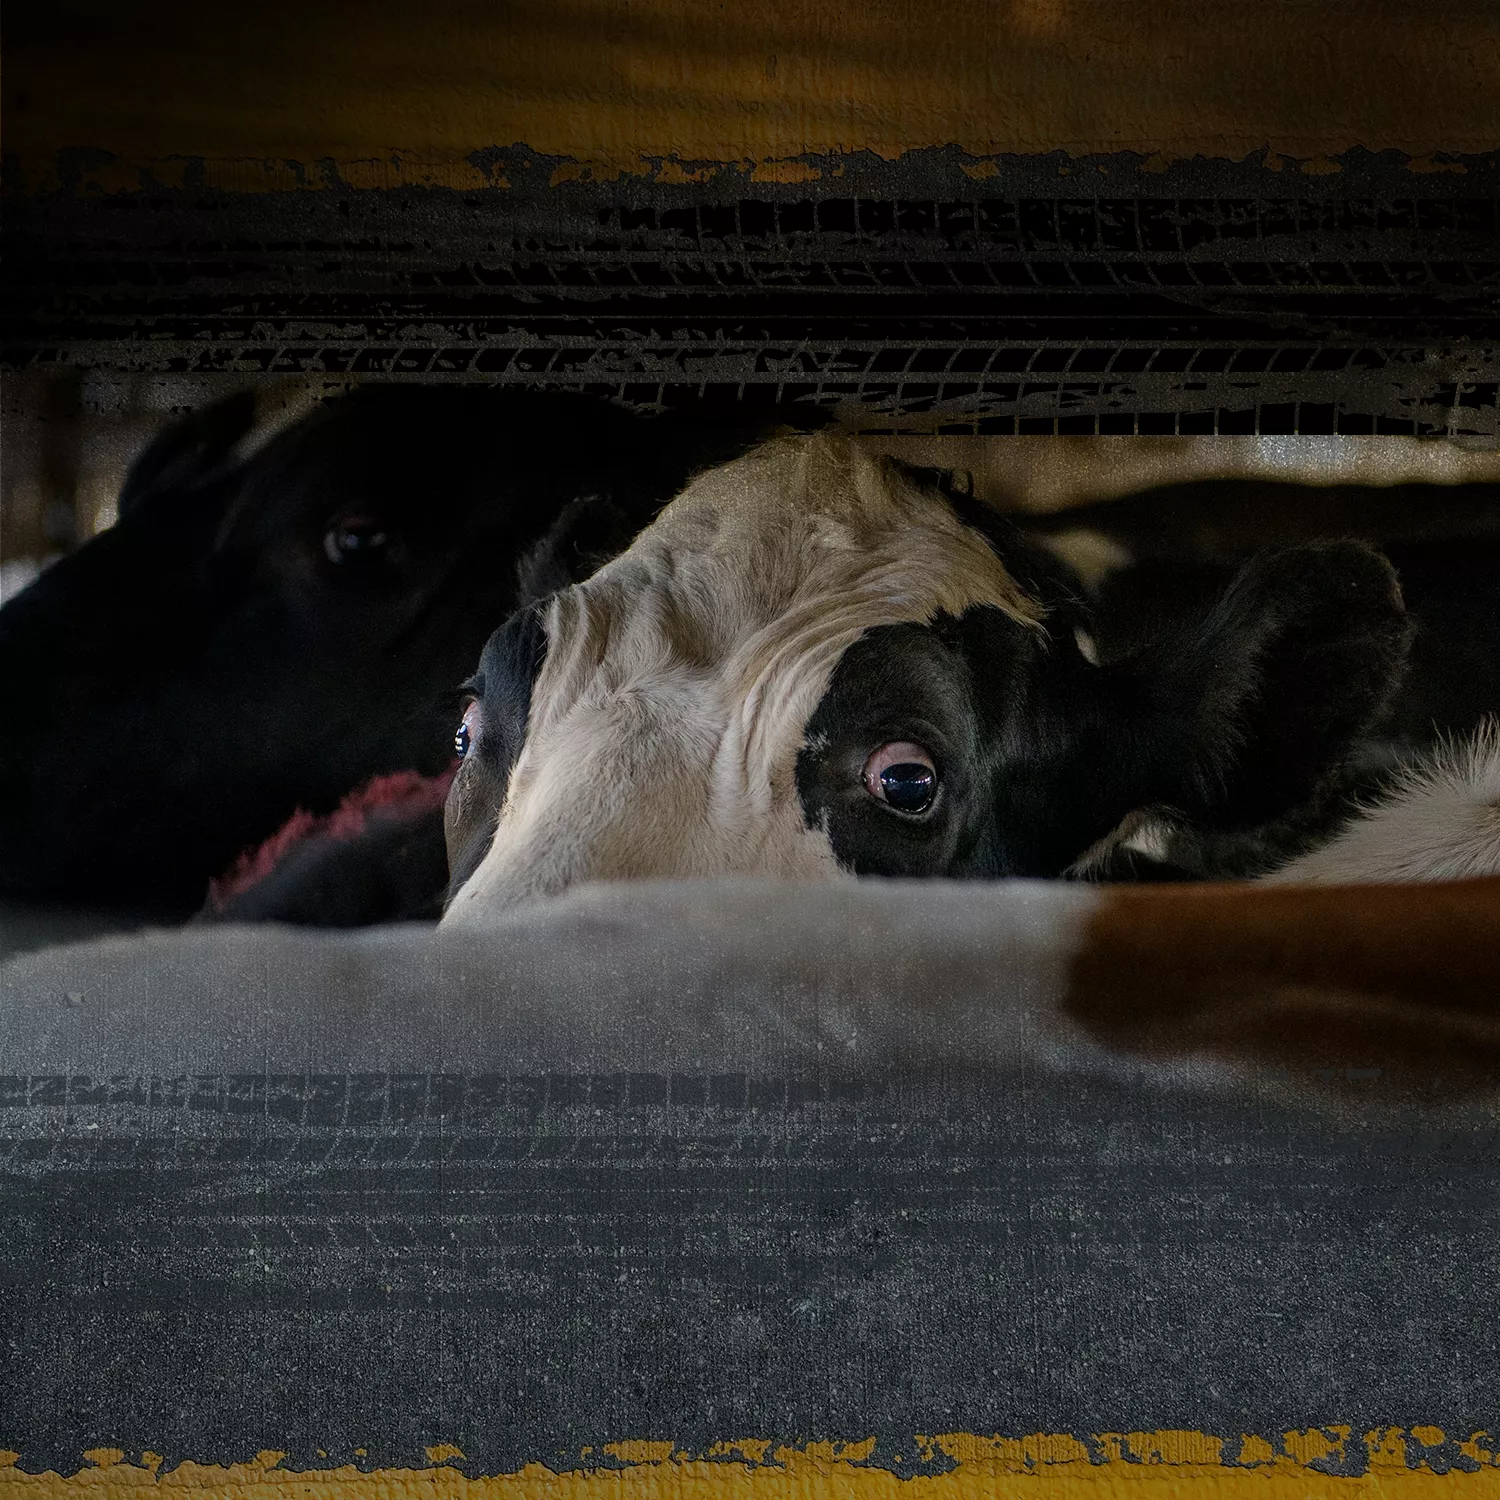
x=266 y=630
x=815 y=662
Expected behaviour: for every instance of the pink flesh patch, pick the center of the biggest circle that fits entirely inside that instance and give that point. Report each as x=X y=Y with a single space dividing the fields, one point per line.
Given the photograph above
x=402 y=794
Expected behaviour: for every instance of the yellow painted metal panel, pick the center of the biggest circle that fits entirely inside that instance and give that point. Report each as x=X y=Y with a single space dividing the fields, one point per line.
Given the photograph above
x=1039 y=1467
x=278 y=95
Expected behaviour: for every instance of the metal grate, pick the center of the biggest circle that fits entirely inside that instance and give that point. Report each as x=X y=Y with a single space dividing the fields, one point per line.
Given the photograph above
x=1024 y=313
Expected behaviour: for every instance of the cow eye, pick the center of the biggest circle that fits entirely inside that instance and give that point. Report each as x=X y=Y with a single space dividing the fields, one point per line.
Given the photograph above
x=356 y=539
x=467 y=734
x=903 y=776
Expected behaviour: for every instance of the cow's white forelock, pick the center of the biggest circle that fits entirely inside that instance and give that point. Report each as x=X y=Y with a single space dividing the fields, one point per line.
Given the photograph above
x=668 y=713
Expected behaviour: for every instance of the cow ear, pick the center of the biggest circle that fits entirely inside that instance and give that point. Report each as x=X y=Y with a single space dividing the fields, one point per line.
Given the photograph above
x=190 y=453
x=1252 y=712
x=587 y=533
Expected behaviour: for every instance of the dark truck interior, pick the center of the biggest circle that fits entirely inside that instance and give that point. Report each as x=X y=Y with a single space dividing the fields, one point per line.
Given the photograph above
x=733 y=1181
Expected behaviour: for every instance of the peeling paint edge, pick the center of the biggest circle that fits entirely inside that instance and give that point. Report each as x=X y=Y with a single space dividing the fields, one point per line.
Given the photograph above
x=88 y=172
x=1320 y=1460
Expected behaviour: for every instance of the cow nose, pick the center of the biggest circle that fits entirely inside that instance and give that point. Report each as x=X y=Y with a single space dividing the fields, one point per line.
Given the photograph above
x=546 y=861
x=480 y=901
x=517 y=875
x=609 y=822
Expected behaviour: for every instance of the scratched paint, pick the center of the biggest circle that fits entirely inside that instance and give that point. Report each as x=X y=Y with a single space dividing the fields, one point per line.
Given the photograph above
x=1054 y=1466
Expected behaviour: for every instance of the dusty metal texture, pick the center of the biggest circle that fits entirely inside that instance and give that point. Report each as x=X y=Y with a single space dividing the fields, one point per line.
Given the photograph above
x=524 y=1266
x=1057 y=295
x=695 y=1163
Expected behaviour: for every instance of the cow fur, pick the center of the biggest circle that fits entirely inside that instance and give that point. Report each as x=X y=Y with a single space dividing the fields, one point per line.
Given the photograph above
x=677 y=714
x=681 y=679
x=1438 y=820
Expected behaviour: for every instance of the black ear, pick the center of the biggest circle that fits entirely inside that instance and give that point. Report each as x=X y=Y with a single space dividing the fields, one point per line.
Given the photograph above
x=587 y=533
x=189 y=453
x=1244 y=721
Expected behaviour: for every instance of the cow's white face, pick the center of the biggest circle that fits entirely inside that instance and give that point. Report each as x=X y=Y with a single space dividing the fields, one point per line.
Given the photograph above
x=812 y=664
x=675 y=685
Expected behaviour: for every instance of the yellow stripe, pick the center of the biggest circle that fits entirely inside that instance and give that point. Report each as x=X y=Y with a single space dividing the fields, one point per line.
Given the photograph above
x=268 y=95
x=1040 y=1467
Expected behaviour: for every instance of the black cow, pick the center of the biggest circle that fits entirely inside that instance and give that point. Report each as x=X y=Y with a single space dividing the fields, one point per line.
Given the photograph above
x=265 y=632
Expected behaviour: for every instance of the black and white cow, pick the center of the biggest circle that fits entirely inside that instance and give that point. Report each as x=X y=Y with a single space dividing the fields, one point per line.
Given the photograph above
x=817 y=663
